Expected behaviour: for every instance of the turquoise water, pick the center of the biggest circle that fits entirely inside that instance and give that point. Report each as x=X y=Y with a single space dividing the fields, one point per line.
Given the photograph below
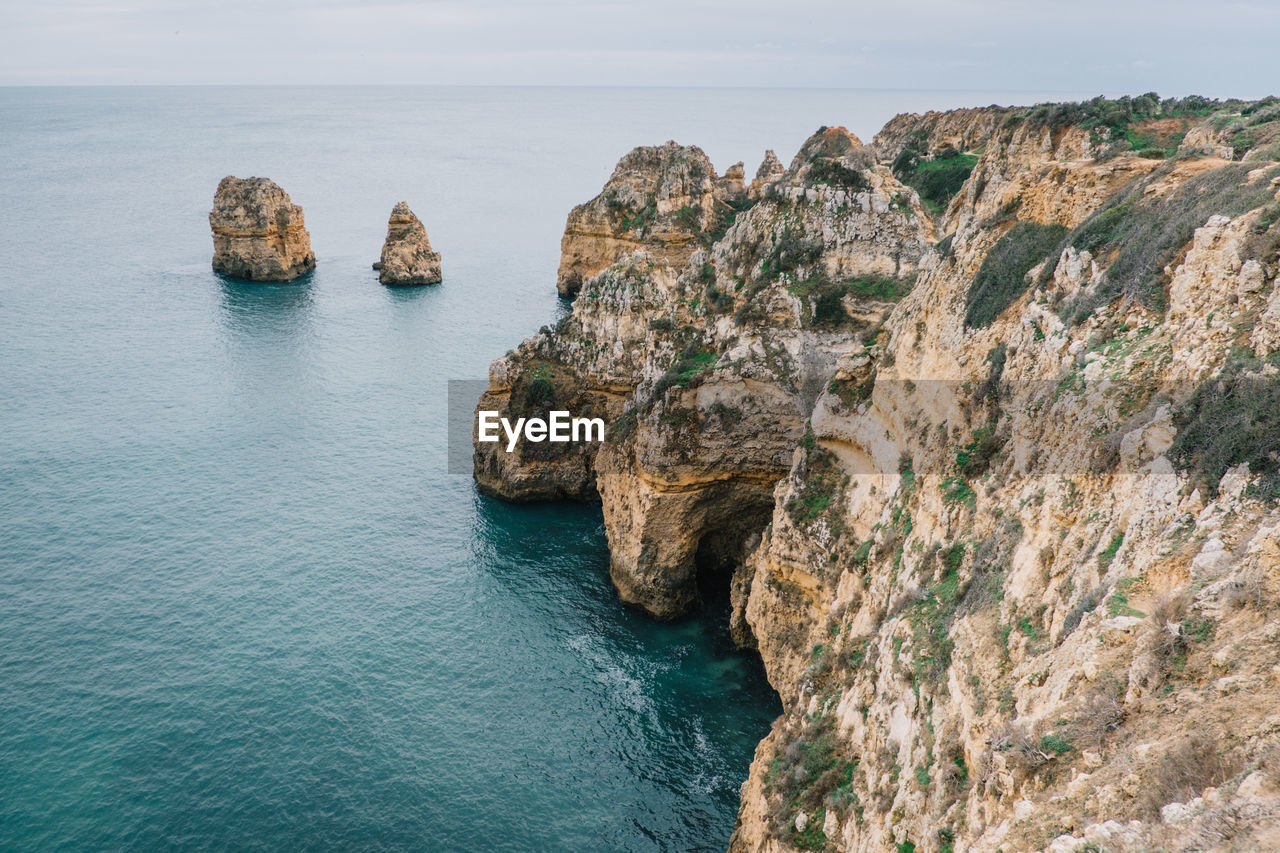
x=242 y=605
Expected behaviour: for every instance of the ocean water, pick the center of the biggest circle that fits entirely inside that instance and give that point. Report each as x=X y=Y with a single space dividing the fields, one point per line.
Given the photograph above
x=242 y=604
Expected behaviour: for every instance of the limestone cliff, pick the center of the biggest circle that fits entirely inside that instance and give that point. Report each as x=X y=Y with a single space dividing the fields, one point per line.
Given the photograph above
x=688 y=352
x=258 y=232
x=985 y=440
x=407 y=256
x=665 y=199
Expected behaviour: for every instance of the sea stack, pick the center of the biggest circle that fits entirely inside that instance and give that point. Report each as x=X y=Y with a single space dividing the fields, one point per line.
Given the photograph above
x=258 y=232
x=407 y=256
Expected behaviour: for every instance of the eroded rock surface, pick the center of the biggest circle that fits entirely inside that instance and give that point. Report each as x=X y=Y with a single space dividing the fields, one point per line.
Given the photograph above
x=258 y=232
x=407 y=256
x=663 y=199
x=688 y=351
x=994 y=482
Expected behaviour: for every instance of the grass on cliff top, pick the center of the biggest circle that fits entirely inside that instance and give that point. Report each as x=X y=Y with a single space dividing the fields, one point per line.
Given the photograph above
x=1002 y=278
x=1118 y=115
x=836 y=174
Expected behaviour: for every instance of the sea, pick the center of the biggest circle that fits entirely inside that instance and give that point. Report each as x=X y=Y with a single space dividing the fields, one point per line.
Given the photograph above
x=243 y=604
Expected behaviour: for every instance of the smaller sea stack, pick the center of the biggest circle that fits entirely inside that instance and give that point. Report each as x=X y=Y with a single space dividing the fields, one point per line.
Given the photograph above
x=407 y=256
x=258 y=232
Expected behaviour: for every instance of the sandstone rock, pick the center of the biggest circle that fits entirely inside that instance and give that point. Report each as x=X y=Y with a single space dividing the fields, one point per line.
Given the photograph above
x=407 y=257
x=923 y=614
x=674 y=502
x=769 y=171
x=661 y=199
x=1252 y=277
x=258 y=232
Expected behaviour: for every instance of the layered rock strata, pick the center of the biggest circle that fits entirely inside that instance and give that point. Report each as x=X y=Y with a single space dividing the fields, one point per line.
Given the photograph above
x=995 y=482
x=407 y=256
x=258 y=232
x=686 y=345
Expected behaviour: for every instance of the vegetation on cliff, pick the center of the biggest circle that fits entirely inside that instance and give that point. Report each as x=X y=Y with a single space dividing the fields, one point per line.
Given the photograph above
x=1000 y=510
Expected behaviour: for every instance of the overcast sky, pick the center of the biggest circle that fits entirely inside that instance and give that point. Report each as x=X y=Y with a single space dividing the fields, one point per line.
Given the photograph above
x=1113 y=47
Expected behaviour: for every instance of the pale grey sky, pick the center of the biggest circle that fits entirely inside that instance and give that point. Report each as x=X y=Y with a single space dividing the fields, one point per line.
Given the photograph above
x=1171 y=46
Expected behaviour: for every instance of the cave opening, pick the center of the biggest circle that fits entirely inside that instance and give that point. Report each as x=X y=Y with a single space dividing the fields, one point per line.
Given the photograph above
x=723 y=584
x=715 y=560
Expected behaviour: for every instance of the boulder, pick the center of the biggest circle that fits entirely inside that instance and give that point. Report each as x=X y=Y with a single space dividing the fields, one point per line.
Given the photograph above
x=258 y=232
x=407 y=256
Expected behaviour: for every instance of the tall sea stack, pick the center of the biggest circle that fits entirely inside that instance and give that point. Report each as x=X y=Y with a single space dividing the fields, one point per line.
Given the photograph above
x=407 y=256
x=258 y=232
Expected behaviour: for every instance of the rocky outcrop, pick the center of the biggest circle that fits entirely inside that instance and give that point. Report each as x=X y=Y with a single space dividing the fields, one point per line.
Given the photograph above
x=665 y=200
x=688 y=351
x=962 y=130
x=770 y=170
x=999 y=510
x=407 y=256
x=258 y=232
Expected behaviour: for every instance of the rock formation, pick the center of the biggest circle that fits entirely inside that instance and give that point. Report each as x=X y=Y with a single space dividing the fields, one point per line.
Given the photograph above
x=745 y=328
x=664 y=199
x=770 y=170
x=995 y=483
x=407 y=257
x=258 y=232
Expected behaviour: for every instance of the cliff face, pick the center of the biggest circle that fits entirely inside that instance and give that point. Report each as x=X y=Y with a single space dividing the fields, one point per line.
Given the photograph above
x=1000 y=515
x=258 y=232
x=689 y=352
x=664 y=199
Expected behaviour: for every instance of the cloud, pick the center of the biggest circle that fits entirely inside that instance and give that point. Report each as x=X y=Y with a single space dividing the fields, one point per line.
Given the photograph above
x=962 y=44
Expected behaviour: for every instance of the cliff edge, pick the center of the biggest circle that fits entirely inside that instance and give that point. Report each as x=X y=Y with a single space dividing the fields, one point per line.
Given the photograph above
x=979 y=425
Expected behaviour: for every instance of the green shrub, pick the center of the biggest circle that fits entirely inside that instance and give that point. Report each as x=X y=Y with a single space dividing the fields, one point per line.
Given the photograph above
x=931 y=619
x=808 y=773
x=824 y=298
x=539 y=394
x=727 y=217
x=937 y=180
x=1147 y=233
x=1002 y=278
x=837 y=174
x=813 y=838
x=642 y=219
x=790 y=251
x=956 y=491
x=886 y=288
x=989 y=390
x=1231 y=419
x=1109 y=554
x=689 y=218
x=823 y=482
x=1057 y=744
x=694 y=362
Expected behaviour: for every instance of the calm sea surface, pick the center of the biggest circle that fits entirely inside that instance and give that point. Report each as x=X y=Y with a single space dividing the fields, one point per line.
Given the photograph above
x=242 y=605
